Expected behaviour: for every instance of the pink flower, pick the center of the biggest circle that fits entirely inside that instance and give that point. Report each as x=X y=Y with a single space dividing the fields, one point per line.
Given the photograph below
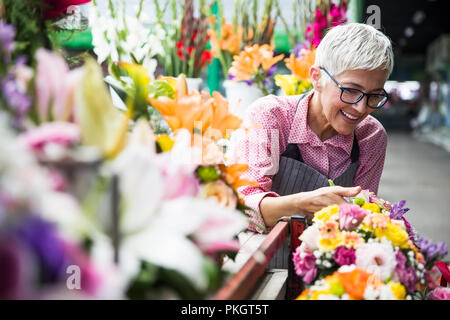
x=181 y=180
x=55 y=86
x=221 y=191
x=305 y=265
x=62 y=133
x=344 y=256
x=350 y=216
x=440 y=293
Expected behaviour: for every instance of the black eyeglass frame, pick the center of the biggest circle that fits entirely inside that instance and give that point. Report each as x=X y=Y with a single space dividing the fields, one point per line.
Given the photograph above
x=363 y=94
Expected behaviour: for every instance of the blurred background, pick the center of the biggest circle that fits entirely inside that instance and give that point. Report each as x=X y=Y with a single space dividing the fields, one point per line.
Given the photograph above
x=417 y=117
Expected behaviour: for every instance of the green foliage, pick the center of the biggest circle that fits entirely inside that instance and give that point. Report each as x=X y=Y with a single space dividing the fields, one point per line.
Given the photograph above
x=33 y=32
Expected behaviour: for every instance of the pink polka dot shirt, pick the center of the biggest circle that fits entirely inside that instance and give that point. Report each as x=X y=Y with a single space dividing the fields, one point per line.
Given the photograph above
x=279 y=124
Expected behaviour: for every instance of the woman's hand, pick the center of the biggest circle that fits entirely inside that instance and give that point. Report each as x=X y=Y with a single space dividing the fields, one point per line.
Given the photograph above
x=273 y=208
x=313 y=201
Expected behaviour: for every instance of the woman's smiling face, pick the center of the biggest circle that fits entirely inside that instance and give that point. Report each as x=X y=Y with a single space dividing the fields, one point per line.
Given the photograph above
x=344 y=117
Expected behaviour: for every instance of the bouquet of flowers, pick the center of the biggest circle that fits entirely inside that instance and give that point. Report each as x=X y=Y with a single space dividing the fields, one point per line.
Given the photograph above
x=365 y=249
x=297 y=82
x=255 y=64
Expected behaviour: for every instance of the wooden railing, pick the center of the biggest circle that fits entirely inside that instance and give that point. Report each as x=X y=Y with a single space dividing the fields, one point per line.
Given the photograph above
x=242 y=283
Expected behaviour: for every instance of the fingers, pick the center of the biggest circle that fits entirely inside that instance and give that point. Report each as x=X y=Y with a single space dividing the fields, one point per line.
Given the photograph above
x=347 y=192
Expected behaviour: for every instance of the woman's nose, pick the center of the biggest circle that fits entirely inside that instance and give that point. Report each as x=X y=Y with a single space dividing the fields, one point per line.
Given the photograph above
x=361 y=105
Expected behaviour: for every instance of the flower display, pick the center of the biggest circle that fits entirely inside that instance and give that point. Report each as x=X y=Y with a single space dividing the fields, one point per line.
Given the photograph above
x=362 y=250
x=254 y=65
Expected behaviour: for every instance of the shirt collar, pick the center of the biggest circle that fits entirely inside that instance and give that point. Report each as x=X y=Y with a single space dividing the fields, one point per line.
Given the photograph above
x=301 y=133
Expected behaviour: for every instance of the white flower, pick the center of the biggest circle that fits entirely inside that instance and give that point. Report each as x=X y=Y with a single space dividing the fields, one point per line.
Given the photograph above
x=311 y=237
x=376 y=257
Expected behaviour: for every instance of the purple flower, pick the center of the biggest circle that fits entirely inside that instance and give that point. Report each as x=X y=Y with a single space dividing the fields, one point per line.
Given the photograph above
x=440 y=293
x=41 y=237
x=7 y=34
x=305 y=265
x=271 y=70
x=397 y=210
x=431 y=250
x=406 y=275
x=17 y=101
x=350 y=216
x=344 y=256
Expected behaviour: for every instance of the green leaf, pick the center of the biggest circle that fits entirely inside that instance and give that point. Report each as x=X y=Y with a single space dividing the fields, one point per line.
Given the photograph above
x=160 y=88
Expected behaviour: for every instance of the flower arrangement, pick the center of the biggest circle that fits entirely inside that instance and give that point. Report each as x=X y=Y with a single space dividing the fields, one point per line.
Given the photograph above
x=366 y=246
x=298 y=81
x=255 y=64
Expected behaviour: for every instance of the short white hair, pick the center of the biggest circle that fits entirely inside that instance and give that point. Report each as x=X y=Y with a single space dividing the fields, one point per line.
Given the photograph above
x=354 y=46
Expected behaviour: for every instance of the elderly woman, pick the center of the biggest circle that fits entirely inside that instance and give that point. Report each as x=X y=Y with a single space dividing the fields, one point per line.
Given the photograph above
x=328 y=133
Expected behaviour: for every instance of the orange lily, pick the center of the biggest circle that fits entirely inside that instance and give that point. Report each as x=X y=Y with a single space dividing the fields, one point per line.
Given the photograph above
x=233 y=175
x=222 y=120
x=355 y=282
x=247 y=63
x=300 y=66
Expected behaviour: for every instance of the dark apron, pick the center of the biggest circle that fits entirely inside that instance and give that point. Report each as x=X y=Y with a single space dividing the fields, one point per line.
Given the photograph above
x=295 y=176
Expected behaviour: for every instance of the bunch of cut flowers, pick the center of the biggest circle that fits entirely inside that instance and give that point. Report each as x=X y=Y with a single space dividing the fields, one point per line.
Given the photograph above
x=365 y=249
x=255 y=65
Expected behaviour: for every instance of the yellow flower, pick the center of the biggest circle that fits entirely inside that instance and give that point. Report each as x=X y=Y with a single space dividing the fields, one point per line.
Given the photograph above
x=165 y=142
x=335 y=286
x=316 y=294
x=327 y=244
x=398 y=290
x=291 y=85
x=305 y=295
x=372 y=207
x=288 y=83
x=326 y=213
x=393 y=233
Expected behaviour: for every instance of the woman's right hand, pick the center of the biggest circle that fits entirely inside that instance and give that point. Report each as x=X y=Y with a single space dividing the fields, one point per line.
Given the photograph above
x=312 y=201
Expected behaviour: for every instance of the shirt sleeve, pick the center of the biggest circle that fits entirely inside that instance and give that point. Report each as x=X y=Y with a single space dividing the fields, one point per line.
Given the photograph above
x=373 y=146
x=260 y=149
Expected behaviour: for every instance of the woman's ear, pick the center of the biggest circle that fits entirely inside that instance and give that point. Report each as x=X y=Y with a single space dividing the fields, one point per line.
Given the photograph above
x=314 y=76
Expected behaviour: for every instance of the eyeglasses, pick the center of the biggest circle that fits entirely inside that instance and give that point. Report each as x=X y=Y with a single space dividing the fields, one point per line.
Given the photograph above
x=353 y=96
